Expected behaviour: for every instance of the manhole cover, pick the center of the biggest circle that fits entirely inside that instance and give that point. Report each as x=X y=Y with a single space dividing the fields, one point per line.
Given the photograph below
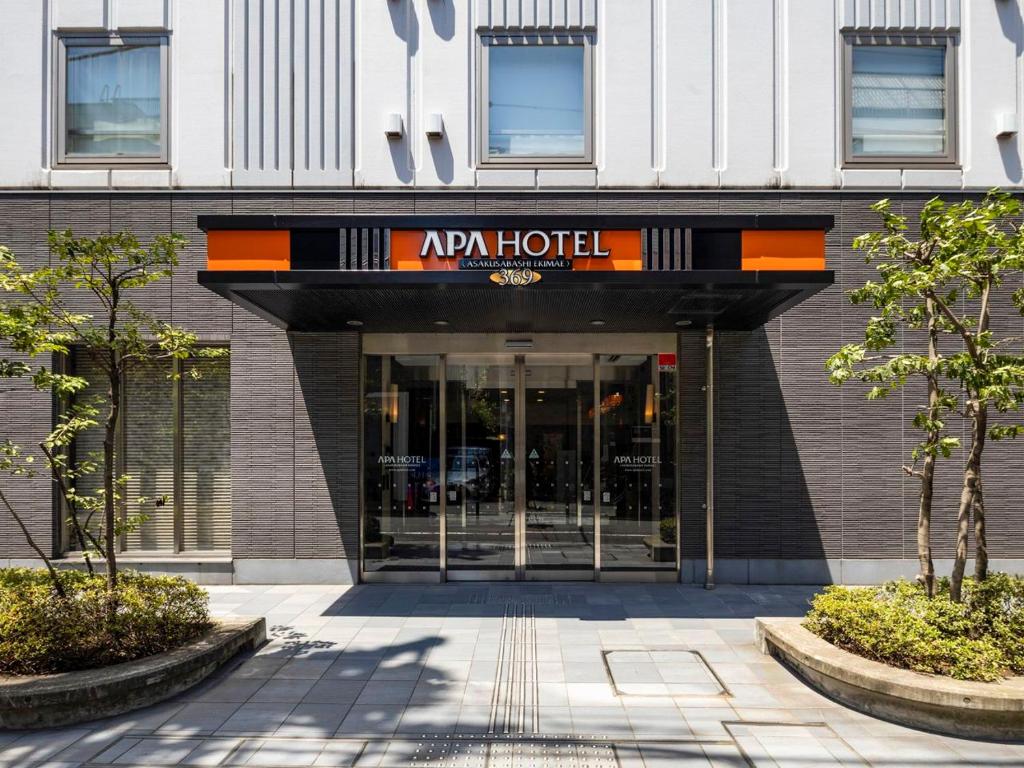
x=665 y=672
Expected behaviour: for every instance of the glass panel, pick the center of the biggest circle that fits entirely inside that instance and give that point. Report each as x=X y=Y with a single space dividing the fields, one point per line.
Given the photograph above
x=638 y=520
x=401 y=523
x=88 y=446
x=899 y=100
x=149 y=455
x=207 y=463
x=536 y=101
x=481 y=467
x=559 y=406
x=113 y=100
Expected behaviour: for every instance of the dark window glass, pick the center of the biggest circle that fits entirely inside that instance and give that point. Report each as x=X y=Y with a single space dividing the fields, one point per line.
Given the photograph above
x=113 y=100
x=899 y=100
x=536 y=104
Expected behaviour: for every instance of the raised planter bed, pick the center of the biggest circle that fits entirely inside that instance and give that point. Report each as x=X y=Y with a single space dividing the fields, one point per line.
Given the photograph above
x=932 y=702
x=43 y=701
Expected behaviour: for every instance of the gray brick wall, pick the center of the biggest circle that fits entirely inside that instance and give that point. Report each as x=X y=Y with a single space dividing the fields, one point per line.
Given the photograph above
x=805 y=470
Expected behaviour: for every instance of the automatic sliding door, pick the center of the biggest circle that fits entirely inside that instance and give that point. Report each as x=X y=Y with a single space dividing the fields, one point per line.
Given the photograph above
x=480 y=469
x=558 y=402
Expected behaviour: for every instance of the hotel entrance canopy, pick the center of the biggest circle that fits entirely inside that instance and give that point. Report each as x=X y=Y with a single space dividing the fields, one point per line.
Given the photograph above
x=516 y=273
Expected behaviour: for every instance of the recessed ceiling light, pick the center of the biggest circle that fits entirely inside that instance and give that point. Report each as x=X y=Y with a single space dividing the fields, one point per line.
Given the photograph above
x=683 y=323
x=597 y=322
x=354 y=323
x=440 y=322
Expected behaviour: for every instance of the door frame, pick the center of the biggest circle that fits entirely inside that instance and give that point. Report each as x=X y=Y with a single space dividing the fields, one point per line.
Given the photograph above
x=489 y=345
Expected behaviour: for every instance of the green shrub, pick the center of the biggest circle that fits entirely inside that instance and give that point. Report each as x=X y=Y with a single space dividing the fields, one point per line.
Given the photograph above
x=981 y=638
x=42 y=633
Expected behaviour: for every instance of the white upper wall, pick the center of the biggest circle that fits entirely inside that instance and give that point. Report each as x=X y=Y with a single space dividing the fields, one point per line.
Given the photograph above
x=688 y=93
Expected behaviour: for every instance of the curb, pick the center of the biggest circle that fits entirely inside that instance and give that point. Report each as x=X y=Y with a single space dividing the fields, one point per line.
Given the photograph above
x=931 y=702
x=45 y=701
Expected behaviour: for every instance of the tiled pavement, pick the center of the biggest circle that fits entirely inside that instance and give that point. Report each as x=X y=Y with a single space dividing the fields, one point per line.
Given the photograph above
x=502 y=676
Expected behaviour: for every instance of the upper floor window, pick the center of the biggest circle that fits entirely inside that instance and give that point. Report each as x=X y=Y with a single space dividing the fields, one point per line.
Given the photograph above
x=900 y=100
x=536 y=104
x=112 y=100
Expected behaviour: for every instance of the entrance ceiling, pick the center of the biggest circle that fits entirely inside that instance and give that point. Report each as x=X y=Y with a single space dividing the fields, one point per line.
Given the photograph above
x=468 y=302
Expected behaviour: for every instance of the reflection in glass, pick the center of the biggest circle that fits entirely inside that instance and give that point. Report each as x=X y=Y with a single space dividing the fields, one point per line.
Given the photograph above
x=536 y=101
x=638 y=520
x=899 y=100
x=401 y=524
x=113 y=100
x=560 y=467
x=481 y=466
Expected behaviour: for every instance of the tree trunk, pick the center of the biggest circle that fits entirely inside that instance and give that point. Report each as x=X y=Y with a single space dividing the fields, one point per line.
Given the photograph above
x=924 y=527
x=924 y=511
x=109 y=437
x=972 y=476
x=978 y=509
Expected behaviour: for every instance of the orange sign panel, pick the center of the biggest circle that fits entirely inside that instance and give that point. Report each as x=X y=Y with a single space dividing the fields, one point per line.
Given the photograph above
x=248 y=249
x=576 y=249
x=774 y=250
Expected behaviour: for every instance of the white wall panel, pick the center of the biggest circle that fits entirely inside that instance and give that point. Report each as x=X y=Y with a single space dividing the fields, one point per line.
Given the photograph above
x=262 y=89
x=24 y=134
x=905 y=14
x=387 y=44
x=749 y=98
x=445 y=83
x=155 y=14
x=809 y=108
x=323 y=93
x=625 y=98
x=536 y=13
x=201 y=108
x=990 y=84
x=687 y=94
x=78 y=14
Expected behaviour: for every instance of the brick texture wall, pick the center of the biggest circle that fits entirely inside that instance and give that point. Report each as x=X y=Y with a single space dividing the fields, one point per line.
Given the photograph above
x=804 y=469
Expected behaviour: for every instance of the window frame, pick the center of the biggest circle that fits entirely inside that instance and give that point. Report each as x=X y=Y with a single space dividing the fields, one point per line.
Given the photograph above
x=947 y=40
x=64 y=159
x=485 y=40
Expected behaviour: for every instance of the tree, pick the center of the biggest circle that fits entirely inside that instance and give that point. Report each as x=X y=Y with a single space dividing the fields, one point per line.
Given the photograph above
x=981 y=245
x=901 y=262
x=117 y=334
x=946 y=282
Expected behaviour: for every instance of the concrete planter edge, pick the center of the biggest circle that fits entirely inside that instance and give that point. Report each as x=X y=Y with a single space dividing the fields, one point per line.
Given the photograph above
x=44 y=701
x=930 y=702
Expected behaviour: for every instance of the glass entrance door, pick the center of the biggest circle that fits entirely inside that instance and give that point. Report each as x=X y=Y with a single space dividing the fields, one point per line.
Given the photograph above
x=531 y=466
x=481 y=520
x=519 y=484
x=558 y=527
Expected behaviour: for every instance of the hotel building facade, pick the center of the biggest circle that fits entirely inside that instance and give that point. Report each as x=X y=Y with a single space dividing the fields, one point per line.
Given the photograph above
x=512 y=290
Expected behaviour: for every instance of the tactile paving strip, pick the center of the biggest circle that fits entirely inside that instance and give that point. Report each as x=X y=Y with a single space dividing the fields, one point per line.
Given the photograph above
x=157 y=752
x=526 y=754
x=551 y=754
